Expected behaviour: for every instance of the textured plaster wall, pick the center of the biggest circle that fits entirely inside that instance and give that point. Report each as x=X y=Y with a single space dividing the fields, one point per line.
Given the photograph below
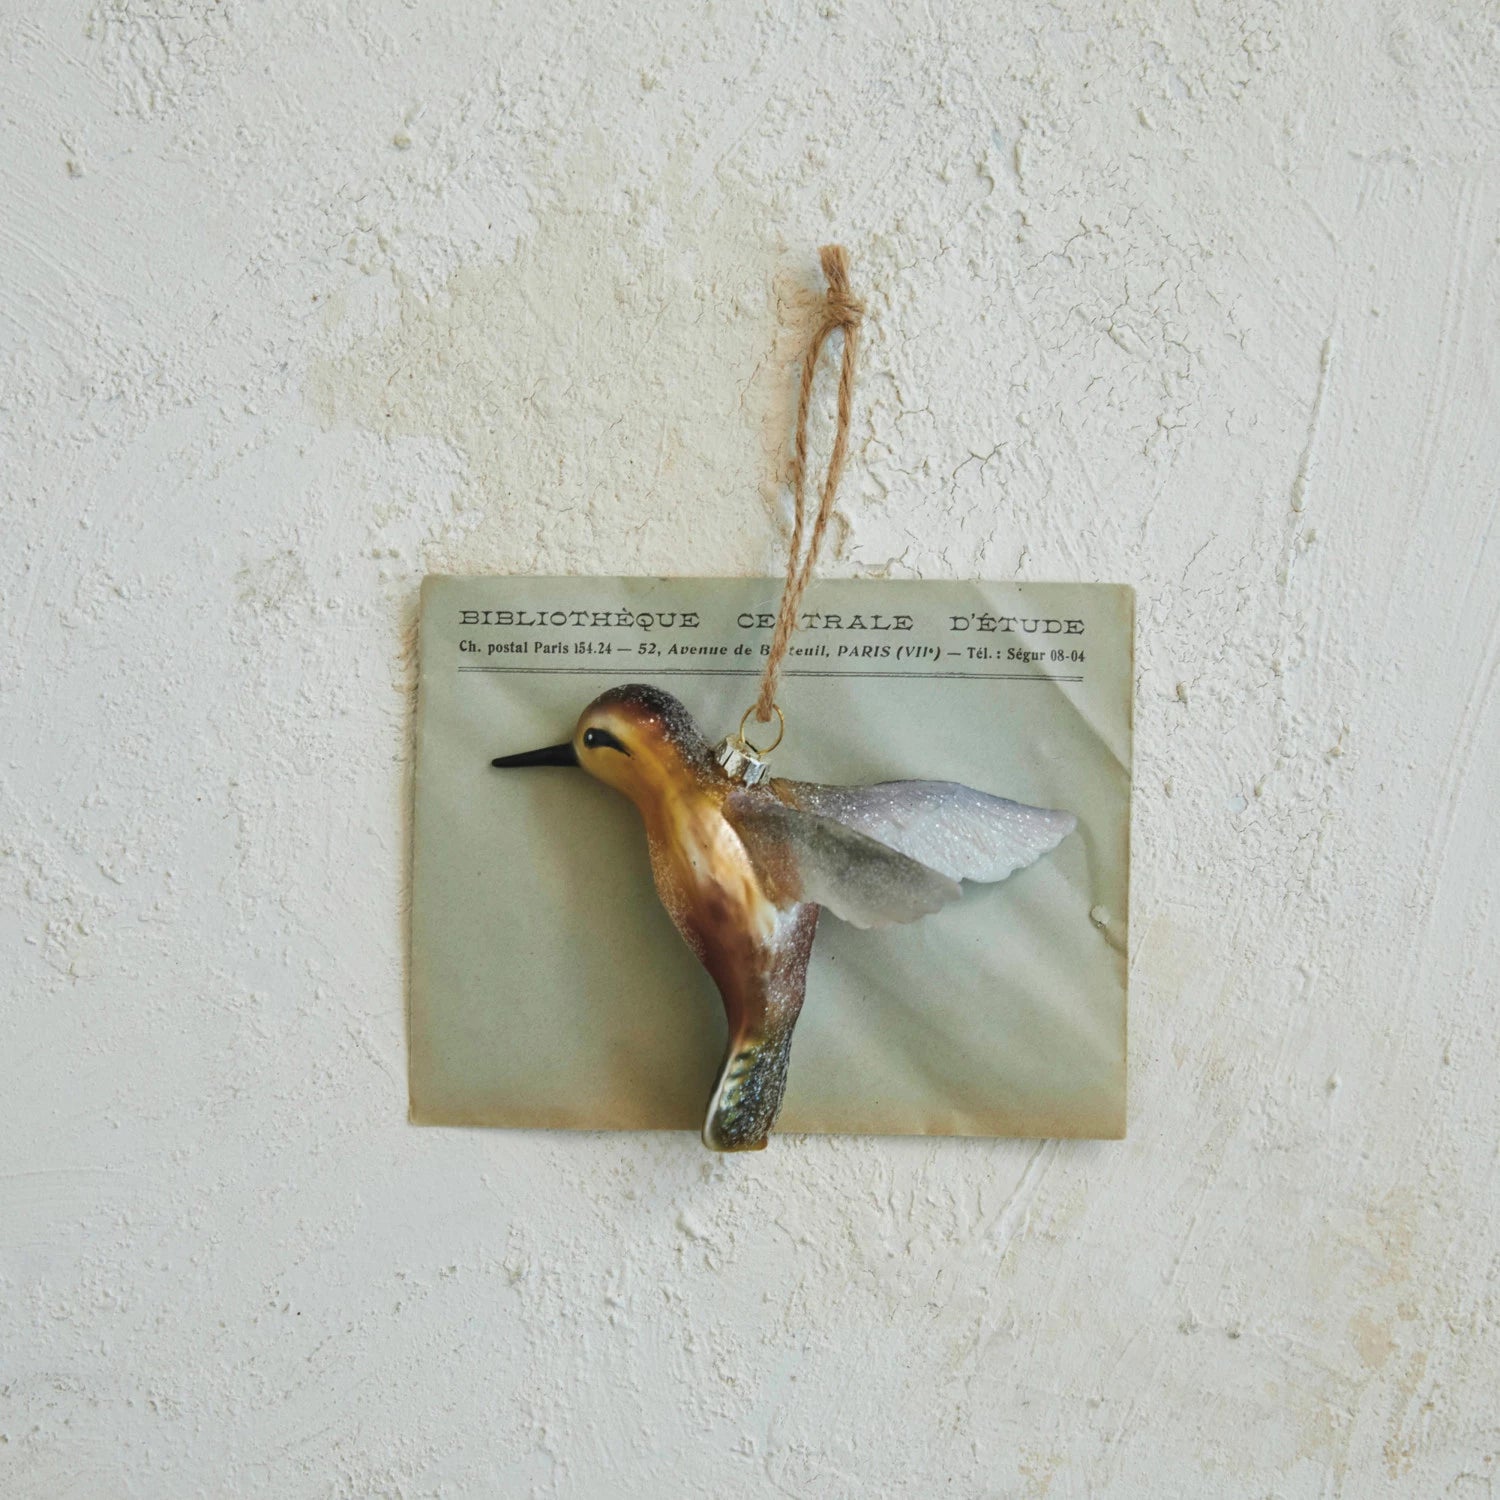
x=300 y=301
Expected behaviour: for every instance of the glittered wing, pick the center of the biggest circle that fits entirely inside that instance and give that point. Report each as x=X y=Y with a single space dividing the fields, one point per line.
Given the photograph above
x=964 y=834
x=801 y=856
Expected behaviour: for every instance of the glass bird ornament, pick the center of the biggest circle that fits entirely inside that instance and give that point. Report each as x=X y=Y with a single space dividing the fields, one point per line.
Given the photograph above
x=744 y=864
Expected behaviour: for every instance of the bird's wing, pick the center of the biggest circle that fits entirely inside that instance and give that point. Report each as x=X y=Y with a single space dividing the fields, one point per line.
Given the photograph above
x=803 y=856
x=967 y=835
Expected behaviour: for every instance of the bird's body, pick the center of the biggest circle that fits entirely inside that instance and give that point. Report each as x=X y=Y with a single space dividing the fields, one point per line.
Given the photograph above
x=743 y=871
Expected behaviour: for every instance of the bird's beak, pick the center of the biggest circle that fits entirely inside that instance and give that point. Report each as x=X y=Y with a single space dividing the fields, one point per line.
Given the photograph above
x=553 y=755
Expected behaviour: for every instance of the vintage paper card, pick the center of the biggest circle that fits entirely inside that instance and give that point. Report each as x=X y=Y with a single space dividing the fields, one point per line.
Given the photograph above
x=548 y=986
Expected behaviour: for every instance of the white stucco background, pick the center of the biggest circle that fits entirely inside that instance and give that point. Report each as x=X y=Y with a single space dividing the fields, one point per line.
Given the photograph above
x=300 y=302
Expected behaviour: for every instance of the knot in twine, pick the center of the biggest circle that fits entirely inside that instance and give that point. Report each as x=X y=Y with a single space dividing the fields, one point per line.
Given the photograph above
x=841 y=311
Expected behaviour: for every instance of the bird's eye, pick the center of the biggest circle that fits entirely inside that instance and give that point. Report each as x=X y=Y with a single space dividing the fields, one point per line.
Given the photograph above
x=602 y=739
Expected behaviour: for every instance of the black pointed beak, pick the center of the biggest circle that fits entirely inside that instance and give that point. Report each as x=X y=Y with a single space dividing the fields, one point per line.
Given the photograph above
x=553 y=755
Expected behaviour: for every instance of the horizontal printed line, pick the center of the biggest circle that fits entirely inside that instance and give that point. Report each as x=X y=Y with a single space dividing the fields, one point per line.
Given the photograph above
x=652 y=671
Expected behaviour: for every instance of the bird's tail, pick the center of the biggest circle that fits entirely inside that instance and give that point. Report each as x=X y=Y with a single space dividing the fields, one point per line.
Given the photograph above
x=747 y=1098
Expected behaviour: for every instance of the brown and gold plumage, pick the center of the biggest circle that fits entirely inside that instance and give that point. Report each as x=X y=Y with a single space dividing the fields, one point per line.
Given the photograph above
x=744 y=870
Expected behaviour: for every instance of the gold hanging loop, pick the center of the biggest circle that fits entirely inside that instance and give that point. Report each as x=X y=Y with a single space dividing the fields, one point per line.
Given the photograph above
x=762 y=750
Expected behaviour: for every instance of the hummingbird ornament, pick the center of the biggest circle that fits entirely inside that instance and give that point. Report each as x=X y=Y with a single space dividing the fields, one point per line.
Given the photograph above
x=745 y=863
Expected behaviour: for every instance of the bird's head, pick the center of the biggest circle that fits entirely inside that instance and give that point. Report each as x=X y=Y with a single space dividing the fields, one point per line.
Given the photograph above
x=635 y=738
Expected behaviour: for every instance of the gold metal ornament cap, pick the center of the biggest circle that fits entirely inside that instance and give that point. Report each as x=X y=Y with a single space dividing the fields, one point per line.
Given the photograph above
x=740 y=763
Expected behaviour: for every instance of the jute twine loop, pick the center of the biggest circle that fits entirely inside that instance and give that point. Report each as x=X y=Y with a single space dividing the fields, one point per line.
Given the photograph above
x=841 y=310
